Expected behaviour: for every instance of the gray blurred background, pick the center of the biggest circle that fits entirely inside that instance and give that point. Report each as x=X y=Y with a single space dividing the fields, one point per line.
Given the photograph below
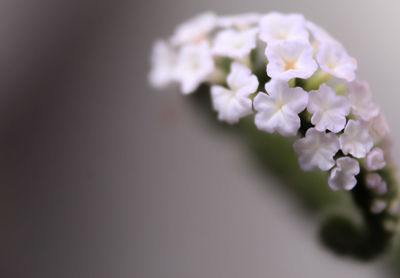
x=101 y=176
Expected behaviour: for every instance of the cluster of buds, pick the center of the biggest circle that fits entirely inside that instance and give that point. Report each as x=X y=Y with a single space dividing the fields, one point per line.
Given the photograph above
x=298 y=81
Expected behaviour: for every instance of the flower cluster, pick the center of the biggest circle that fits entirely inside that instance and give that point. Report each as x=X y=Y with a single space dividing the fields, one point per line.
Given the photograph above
x=311 y=90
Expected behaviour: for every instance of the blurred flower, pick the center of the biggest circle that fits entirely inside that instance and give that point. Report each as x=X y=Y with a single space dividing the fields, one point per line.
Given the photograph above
x=356 y=139
x=333 y=59
x=163 y=63
x=379 y=127
x=375 y=182
x=317 y=149
x=234 y=103
x=343 y=175
x=235 y=44
x=360 y=97
x=394 y=207
x=239 y=21
x=278 y=110
x=195 y=64
x=276 y=27
x=329 y=110
x=375 y=160
x=194 y=30
x=290 y=59
x=378 y=206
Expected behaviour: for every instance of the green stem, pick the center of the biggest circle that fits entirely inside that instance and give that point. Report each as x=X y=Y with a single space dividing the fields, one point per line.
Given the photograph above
x=316 y=80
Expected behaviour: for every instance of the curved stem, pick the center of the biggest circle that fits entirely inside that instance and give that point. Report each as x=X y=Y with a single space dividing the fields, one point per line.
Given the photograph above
x=363 y=240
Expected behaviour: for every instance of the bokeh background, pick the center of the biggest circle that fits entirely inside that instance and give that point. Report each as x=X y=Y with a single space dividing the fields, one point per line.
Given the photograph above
x=102 y=176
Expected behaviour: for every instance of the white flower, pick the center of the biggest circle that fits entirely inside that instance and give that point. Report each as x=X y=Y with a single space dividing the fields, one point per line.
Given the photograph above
x=240 y=21
x=333 y=59
x=317 y=149
x=163 y=62
x=360 y=97
x=356 y=139
x=375 y=182
x=290 y=59
x=375 y=160
x=195 y=64
x=277 y=27
x=278 y=110
x=378 y=206
x=194 y=30
x=329 y=110
x=234 y=103
x=343 y=175
x=235 y=44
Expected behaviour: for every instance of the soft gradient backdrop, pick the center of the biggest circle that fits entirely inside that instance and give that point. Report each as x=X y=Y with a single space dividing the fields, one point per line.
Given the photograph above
x=105 y=177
